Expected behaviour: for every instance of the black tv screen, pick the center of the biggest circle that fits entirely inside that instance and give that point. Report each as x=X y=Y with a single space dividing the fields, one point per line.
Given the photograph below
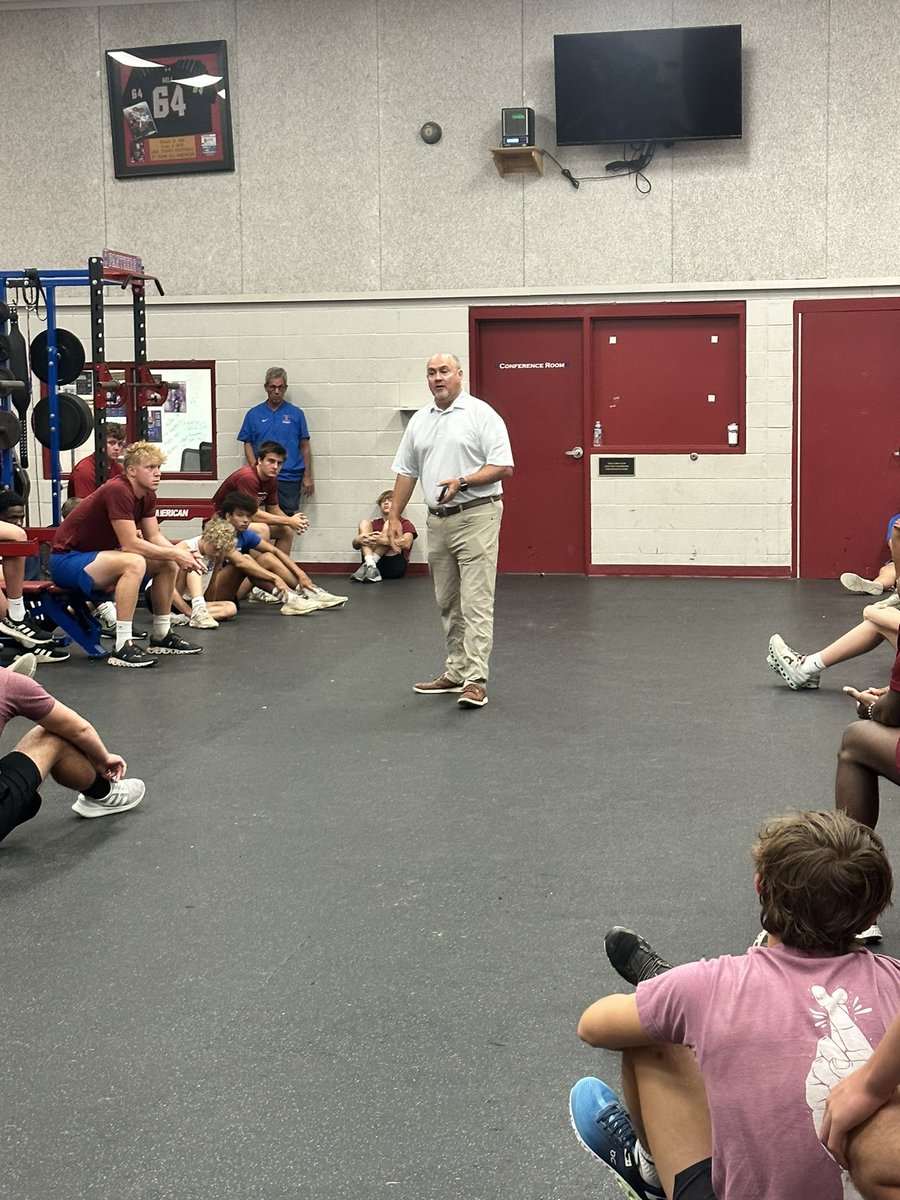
x=648 y=85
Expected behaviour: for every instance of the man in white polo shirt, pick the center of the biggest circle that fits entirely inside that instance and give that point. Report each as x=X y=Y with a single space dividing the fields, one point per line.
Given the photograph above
x=458 y=448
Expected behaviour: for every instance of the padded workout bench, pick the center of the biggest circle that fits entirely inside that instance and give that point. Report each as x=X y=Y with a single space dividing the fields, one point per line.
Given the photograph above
x=67 y=609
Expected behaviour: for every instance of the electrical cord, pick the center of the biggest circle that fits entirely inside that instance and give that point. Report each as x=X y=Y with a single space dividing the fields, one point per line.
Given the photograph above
x=636 y=157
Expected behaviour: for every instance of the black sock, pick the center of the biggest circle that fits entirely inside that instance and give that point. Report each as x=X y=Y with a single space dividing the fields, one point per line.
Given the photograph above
x=99 y=789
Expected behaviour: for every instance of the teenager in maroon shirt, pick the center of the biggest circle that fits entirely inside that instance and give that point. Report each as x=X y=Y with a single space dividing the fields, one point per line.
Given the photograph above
x=112 y=541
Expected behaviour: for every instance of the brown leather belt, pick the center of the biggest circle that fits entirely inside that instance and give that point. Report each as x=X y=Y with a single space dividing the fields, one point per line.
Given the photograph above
x=453 y=509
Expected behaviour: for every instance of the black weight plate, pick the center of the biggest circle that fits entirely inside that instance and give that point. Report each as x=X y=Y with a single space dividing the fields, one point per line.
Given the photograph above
x=69 y=357
x=10 y=429
x=75 y=421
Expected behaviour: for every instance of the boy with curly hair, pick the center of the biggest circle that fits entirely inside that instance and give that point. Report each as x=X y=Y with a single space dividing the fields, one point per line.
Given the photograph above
x=727 y=1063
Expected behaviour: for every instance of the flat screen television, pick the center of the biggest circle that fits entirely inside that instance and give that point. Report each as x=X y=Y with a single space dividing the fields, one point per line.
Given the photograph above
x=648 y=85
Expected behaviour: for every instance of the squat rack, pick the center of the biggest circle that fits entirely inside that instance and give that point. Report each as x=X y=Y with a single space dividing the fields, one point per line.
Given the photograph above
x=99 y=274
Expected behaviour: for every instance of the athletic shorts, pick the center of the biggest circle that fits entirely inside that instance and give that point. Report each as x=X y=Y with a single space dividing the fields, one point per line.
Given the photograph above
x=695 y=1183
x=289 y=494
x=392 y=566
x=894 y=519
x=68 y=570
x=19 y=795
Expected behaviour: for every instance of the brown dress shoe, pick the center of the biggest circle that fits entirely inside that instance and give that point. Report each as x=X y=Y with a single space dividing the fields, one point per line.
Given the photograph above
x=473 y=695
x=439 y=686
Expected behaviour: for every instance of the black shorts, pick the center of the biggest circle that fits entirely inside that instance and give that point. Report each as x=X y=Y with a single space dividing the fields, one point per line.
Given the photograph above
x=19 y=795
x=392 y=566
x=695 y=1183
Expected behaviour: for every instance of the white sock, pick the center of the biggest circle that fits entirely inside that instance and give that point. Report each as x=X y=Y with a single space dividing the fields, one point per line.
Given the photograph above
x=17 y=609
x=371 y=560
x=812 y=664
x=123 y=633
x=107 y=610
x=646 y=1165
x=161 y=626
x=198 y=604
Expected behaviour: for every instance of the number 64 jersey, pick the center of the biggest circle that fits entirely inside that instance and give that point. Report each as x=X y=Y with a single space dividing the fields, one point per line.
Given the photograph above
x=177 y=109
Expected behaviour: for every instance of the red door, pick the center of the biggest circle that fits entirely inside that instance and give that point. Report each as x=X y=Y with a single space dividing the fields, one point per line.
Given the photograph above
x=530 y=369
x=846 y=463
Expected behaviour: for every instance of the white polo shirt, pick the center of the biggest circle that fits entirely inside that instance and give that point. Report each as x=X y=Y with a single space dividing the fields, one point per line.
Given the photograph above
x=452 y=442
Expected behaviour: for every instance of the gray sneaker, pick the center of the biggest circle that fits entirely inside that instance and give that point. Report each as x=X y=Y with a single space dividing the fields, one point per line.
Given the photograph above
x=856 y=583
x=127 y=793
x=359 y=575
x=203 y=619
x=373 y=575
x=891 y=601
x=788 y=663
x=25 y=664
x=258 y=596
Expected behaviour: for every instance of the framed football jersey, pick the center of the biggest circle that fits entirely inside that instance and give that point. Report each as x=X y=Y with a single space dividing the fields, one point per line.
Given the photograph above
x=170 y=109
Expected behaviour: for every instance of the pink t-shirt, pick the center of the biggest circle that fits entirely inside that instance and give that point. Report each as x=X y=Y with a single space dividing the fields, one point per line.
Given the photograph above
x=22 y=697
x=772 y=1031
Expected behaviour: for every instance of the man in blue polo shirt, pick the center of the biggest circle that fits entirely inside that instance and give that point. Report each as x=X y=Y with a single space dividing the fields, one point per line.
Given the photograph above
x=276 y=419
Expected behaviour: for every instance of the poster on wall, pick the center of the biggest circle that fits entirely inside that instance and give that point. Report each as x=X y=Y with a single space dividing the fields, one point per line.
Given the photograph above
x=183 y=426
x=170 y=109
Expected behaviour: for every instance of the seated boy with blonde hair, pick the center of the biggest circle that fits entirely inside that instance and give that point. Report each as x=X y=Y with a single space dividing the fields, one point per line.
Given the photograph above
x=111 y=541
x=213 y=545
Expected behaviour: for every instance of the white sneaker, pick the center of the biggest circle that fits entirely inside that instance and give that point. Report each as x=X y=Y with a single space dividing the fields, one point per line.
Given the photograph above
x=870 y=936
x=788 y=663
x=892 y=601
x=25 y=664
x=127 y=793
x=258 y=596
x=178 y=619
x=856 y=583
x=203 y=619
x=299 y=606
x=373 y=575
x=326 y=600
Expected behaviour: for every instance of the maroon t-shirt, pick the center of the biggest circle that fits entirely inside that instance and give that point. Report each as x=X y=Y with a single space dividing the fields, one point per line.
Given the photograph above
x=89 y=526
x=247 y=480
x=407 y=527
x=82 y=479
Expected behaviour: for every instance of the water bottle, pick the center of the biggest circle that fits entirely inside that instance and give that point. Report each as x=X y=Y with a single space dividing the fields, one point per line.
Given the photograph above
x=598 y=433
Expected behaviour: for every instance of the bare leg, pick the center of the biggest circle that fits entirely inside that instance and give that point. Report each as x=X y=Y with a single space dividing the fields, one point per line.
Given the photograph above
x=887 y=576
x=874 y=1154
x=53 y=755
x=666 y=1099
x=861 y=638
x=122 y=571
x=868 y=752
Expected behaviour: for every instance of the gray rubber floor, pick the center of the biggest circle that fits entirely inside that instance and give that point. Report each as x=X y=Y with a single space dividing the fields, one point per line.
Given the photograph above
x=340 y=949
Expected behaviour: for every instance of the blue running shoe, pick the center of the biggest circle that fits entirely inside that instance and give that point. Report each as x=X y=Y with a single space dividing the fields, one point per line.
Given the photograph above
x=604 y=1128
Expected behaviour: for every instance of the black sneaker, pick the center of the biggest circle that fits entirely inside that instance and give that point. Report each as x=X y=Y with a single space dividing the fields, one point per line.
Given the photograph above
x=130 y=656
x=172 y=644
x=632 y=957
x=25 y=632
x=50 y=654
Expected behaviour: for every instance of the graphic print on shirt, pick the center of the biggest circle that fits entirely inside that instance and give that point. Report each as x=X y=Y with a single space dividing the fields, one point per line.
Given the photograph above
x=842 y=1048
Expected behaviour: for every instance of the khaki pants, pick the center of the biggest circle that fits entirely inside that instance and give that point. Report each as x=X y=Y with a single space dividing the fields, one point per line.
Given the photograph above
x=462 y=556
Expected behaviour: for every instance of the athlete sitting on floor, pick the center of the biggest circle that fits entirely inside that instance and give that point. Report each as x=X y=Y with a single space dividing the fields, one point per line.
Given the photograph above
x=259 y=568
x=727 y=1063
x=65 y=746
x=217 y=541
